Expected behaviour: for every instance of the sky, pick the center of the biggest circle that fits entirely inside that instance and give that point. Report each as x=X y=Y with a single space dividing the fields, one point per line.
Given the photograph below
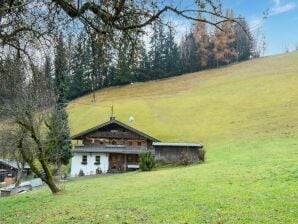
x=280 y=28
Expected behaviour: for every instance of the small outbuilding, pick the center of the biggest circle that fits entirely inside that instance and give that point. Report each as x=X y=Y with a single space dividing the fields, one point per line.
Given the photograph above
x=167 y=152
x=9 y=168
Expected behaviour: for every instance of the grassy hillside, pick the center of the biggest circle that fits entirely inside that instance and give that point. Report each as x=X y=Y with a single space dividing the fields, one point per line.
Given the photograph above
x=241 y=101
x=245 y=114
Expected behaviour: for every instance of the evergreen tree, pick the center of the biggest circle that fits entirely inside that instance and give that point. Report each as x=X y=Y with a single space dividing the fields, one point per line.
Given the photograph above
x=189 y=54
x=61 y=79
x=99 y=62
x=157 y=52
x=143 y=73
x=61 y=141
x=172 y=55
x=243 y=40
x=127 y=61
x=77 y=78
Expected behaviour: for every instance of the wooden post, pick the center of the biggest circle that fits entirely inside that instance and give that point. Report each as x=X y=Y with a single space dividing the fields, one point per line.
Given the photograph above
x=125 y=162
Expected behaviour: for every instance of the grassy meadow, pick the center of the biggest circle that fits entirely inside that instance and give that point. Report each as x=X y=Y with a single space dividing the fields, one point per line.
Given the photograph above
x=245 y=114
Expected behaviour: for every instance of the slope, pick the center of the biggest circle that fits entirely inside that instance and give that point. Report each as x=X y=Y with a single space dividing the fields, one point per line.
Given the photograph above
x=246 y=115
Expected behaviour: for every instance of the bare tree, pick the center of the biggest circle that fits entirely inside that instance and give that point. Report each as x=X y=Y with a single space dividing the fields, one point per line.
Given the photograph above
x=27 y=23
x=29 y=110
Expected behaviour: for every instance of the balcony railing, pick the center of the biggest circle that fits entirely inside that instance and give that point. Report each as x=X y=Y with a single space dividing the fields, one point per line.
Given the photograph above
x=109 y=148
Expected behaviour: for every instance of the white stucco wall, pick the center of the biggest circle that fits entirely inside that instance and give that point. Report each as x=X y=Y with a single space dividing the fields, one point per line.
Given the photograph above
x=90 y=167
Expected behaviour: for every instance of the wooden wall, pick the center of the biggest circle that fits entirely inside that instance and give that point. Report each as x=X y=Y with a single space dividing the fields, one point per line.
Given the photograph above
x=176 y=154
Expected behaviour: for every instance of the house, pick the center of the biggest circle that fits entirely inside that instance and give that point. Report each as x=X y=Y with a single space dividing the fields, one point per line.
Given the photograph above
x=9 y=168
x=115 y=147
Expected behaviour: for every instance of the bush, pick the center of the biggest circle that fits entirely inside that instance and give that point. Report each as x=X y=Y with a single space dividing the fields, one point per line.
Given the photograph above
x=202 y=153
x=147 y=161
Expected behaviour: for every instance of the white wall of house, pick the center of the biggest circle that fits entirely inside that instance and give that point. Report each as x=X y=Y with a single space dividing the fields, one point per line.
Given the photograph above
x=90 y=167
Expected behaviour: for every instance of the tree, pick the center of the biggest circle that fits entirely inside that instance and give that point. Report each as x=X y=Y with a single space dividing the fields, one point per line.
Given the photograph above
x=189 y=54
x=126 y=62
x=77 y=78
x=223 y=40
x=143 y=72
x=243 y=40
x=48 y=71
x=60 y=144
x=27 y=109
x=25 y=25
x=157 y=52
x=100 y=60
x=10 y=149
x=201 y=36
x=8 y=141
x=172 y=54
x=61 y=76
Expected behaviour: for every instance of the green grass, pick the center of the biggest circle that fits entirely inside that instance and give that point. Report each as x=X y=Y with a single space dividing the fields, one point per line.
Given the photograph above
x=245 y=114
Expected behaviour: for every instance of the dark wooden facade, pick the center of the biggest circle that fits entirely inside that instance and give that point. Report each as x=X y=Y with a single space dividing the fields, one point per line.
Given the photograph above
x=174 y=154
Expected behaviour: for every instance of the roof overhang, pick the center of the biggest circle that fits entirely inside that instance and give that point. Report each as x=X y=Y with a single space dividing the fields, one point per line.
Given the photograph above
x=80 y=135
x=178 y=144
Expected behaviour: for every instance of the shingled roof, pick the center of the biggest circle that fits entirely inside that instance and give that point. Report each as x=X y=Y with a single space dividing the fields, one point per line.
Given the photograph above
x=80 y=135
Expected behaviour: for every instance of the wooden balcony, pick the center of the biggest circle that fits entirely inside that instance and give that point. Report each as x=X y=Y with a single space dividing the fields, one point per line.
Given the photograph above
x=109 y=149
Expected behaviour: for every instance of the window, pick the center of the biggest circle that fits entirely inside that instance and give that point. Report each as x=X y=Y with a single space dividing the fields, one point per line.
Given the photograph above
x=84 y=159
x=139 y=143
x=114 y=142
x=130 y=143
x=97 y=160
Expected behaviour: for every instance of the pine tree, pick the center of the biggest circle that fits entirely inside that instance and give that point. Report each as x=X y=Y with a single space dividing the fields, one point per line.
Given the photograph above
x=172 y=55
x=99 y=62
x=61 y=79
x=189 y=54
x=127 y=61
x=77 y=78
x=143 y=72
x=157 y=52
x=60 y=133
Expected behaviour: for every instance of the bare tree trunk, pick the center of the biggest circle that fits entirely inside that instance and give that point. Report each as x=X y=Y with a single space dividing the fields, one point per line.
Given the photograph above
x=19 y=174
x=48 y=178
x=59 y=166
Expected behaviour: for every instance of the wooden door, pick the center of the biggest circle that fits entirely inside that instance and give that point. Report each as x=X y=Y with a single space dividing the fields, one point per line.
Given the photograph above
x=116 y=161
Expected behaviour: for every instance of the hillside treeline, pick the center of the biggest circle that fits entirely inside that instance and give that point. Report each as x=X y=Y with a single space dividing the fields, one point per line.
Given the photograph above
x=89 y=63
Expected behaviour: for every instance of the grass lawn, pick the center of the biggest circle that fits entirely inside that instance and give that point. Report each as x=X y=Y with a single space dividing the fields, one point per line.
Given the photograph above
x=245 y=114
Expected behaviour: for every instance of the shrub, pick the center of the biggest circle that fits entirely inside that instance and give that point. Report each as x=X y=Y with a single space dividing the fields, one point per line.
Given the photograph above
x=202 y=153
x=147 y=161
